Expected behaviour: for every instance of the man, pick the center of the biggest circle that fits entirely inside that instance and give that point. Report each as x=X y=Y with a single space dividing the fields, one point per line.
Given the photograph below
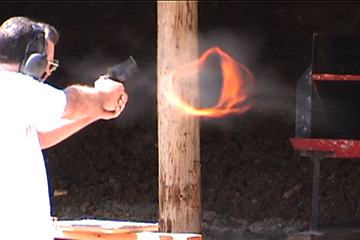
x=36 y=116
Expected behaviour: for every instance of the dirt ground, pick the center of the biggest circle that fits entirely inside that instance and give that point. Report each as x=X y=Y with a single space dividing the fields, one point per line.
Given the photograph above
x=249 y=168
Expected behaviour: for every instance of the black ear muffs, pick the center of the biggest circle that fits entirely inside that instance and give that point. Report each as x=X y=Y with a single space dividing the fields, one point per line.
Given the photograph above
x=35 y=64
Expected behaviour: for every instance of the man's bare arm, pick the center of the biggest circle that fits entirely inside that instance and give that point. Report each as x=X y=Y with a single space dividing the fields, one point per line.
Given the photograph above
x=85 y=106
x=55 y=132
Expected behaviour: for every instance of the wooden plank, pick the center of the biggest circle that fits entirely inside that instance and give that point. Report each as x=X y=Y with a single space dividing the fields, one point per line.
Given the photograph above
x=168 y=236
x=127 y=236
x=104 y=226
x=94 y=236
x=93 y=229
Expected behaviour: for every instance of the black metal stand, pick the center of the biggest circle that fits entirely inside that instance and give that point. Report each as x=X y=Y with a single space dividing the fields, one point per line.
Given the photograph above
x=315 y=191
x=315 y=157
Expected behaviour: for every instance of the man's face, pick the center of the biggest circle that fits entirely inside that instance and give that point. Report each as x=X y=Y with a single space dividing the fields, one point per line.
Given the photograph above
x=50 y=58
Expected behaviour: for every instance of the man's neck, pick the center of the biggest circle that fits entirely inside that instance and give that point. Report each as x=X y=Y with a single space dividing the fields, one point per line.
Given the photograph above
x=9 y=67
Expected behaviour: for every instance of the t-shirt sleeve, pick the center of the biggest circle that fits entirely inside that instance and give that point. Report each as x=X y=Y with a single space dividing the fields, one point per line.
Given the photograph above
x=49 y=102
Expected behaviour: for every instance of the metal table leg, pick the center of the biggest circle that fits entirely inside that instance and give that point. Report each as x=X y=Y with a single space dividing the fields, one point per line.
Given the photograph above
x=315 y=158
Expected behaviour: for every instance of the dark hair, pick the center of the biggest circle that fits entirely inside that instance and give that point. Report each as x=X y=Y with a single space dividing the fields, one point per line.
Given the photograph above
x=15 y=35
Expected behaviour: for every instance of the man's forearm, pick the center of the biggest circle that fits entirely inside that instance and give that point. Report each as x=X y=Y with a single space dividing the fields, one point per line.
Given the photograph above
x=51 y=134
x=81 y=101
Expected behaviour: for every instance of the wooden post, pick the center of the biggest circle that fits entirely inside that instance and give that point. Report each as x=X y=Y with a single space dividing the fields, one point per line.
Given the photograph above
x=178 y=133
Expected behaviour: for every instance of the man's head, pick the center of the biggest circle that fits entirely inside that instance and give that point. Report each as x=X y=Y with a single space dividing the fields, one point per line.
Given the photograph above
x=23 y=41
x=52 y=37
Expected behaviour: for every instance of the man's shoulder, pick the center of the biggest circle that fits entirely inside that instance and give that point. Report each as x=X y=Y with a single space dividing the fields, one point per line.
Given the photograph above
x=14 y=84
x=21 y=81
x=14 y=77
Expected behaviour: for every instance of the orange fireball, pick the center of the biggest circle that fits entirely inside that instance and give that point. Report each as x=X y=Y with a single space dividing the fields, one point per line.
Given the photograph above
x=236 y=88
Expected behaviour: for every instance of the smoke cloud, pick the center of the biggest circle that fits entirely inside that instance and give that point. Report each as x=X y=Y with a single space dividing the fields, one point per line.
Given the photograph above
x=247 y=49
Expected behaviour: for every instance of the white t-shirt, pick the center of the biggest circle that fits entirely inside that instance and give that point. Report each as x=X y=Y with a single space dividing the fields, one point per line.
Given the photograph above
x=24 y=199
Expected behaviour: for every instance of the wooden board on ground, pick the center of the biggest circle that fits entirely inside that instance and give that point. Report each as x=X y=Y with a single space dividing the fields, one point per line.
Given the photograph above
x=129 y=236
x=104 y=226
x=93 y=229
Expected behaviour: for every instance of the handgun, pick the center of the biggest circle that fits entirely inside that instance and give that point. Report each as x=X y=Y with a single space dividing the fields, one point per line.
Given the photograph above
x=124 y=71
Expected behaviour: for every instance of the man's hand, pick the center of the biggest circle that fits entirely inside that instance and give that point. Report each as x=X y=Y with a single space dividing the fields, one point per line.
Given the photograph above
x=106 y=115
x=106 y=100
x=113 y=94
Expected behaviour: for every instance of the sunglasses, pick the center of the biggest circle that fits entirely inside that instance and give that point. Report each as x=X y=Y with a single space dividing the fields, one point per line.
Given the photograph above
x=54 y=64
